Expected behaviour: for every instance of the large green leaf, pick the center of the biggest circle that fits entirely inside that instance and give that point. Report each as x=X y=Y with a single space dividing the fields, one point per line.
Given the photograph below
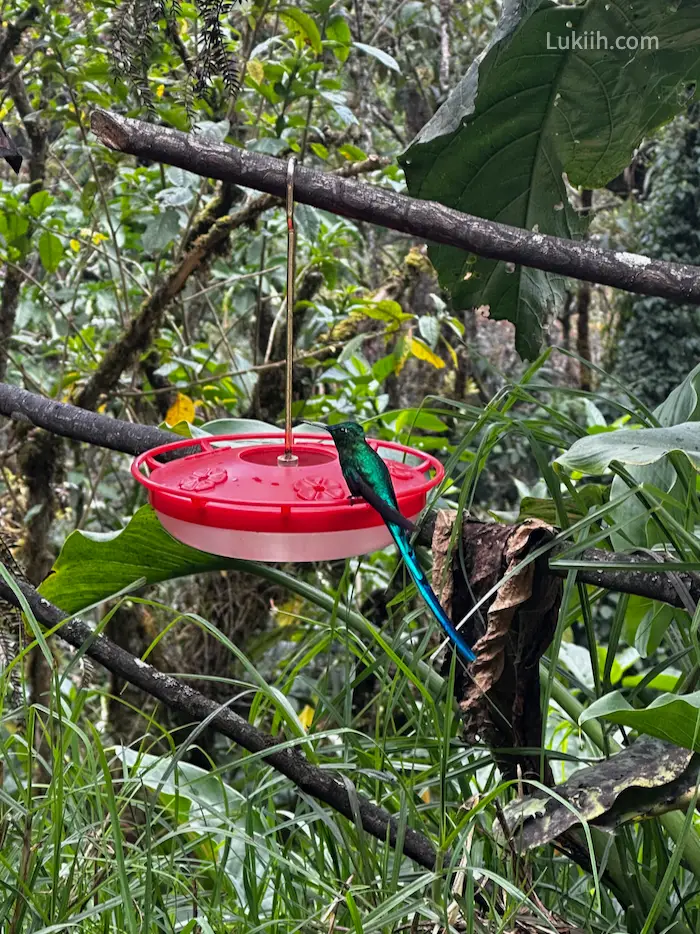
x=528 y=111
x=198 y=789
x=683 y=403
x=93 y=566
x=681 y=406
x=303 y=26
x=50 y=251
x=644 y=453
x=671 y=717
x=592 y=454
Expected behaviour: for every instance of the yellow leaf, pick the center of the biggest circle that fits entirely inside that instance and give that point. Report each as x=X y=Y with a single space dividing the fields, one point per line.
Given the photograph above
x=256 y=70
x=287 y=614
x=306 y=717
x=423 y=352
x=182 y=410
x=160 y=90
x=75 y=245
x=425 y=795
x=453 y=355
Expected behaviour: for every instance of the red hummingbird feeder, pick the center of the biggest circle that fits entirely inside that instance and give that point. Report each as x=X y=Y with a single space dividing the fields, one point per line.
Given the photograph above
x=272 y=497
x=234 y=498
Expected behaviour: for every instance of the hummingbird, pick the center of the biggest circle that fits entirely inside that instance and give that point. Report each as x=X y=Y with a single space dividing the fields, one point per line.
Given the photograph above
x=368 y=476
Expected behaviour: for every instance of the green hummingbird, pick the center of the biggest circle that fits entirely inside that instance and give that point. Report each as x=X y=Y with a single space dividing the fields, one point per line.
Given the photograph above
x=368 y=476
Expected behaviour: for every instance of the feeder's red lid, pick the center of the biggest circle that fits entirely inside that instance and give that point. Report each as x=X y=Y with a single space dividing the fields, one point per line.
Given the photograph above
x=235 y=482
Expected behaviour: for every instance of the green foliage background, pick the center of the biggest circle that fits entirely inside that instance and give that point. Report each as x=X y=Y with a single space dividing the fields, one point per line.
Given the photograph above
x=154 y=295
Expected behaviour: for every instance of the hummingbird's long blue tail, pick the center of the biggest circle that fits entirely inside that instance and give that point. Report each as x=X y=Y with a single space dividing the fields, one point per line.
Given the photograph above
x=410 y=557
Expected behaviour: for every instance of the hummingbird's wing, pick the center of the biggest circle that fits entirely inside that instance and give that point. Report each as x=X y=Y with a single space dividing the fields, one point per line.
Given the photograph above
x=8 y=151
x=387 y=512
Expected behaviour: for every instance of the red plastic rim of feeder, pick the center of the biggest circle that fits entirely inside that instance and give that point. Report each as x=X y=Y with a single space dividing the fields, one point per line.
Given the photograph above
x=232 y=498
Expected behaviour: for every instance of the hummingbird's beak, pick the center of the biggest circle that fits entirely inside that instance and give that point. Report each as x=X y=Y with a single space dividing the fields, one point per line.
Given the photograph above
x=316 y=425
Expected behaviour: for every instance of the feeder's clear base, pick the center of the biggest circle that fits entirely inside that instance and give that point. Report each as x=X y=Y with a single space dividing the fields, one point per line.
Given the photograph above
x=277 y=547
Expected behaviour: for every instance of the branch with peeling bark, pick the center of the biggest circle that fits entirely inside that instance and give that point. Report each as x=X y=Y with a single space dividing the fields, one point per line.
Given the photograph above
x=425 y=219
x=70 y=421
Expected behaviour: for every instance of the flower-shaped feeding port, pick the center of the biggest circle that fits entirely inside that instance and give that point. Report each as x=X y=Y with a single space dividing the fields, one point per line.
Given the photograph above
x=231 y=497
x=206 y=478
x=318 y=488
x=399 y=471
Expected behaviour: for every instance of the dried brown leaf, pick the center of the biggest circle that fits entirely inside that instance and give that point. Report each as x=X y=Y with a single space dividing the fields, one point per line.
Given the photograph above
x=500 y=697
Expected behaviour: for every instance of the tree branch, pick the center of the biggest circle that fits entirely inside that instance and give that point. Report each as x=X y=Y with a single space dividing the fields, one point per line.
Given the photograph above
x=70 y=421
x=425 y=219
x=655 y=585
x=13 y=33
x=322 y=784
x=73 y=422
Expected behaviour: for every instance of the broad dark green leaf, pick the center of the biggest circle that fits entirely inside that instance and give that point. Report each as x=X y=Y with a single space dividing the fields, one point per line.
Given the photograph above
x=93 y=566
x=383 y=310
x=39 y=202
x=308 y=221
x=529 y=110
x=420 y=419
x=271 y=145
x=338 y=31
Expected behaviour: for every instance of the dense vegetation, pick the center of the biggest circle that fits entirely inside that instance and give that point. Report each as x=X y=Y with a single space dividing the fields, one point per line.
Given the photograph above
x=319 y=761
